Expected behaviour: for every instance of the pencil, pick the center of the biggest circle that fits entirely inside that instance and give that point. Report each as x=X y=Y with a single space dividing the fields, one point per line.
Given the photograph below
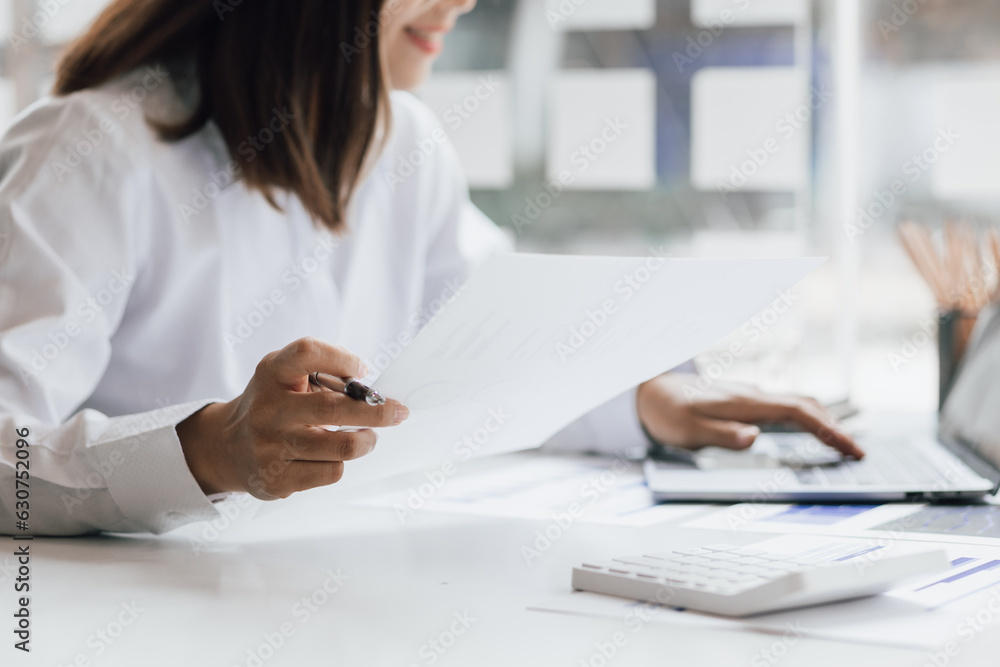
x=921 y=250
x=995 y=247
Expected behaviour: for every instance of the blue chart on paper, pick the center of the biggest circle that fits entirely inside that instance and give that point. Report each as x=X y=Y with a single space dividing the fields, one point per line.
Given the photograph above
x=974 y=521
x=819 y=515
x=985 y=566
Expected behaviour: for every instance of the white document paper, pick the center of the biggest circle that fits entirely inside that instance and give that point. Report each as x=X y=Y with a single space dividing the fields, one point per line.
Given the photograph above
x=526 y=486
x=953 y=524
x=925 y=614
x=532 y=342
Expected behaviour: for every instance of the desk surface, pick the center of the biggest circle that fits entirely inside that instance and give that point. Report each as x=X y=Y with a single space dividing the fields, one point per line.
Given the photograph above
x=398 y=587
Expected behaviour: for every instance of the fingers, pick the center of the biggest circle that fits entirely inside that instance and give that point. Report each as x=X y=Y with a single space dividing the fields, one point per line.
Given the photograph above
x=317 y=444
x=296 y=476
x=831 y=435
x=811 y=416
x=752 y=408
x=274 y=444
x=293 y=363
x=329 y=407
x=804 y=412
x=312 y=457
x=705 y=432
x=311 y=474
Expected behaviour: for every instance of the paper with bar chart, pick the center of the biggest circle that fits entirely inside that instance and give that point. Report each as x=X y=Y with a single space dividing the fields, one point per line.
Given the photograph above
x=965 y=524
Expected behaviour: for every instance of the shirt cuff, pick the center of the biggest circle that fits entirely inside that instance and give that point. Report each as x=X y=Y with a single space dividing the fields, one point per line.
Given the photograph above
x=146 y=472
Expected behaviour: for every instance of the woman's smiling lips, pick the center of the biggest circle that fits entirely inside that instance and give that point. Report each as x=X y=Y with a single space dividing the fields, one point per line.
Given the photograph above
x=428 y=39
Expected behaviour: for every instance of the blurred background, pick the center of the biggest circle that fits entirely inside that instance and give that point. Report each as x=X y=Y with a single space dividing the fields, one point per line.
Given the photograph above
x=712 y=128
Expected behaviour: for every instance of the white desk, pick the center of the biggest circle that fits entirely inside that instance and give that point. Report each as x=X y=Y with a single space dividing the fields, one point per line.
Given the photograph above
x=406 y=583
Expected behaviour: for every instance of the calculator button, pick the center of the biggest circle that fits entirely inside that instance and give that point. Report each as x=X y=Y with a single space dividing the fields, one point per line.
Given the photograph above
x=695 y=560
x=777 y=566
x=640 y=562
x=746 y=551
x=761 y=573
x=773 y=574
x=753 y=560
x=776 y=557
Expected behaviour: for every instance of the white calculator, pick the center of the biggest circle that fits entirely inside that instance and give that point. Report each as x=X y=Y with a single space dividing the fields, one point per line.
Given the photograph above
x=739 y=581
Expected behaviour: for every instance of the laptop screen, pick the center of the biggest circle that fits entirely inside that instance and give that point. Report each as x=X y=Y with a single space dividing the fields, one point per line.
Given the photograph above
x=971 y=414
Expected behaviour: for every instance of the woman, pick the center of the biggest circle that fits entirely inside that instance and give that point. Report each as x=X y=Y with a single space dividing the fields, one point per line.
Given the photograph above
x=208 y=184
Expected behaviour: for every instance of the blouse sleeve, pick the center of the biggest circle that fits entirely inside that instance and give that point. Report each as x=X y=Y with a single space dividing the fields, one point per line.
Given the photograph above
x=71 y=206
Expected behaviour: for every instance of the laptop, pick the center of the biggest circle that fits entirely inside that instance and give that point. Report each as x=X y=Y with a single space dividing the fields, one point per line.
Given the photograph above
x=960 y=462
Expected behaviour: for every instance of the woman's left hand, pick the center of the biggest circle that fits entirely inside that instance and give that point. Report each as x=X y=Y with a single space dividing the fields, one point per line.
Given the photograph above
x=726 y=414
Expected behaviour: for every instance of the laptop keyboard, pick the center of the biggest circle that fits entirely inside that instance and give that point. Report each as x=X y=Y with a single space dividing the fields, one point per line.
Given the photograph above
x=889 y=464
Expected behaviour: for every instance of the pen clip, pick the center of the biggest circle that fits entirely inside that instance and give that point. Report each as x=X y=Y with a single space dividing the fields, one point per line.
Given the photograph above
x=348 y=386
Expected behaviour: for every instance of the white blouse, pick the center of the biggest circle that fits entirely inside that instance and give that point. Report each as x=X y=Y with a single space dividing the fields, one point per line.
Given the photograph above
x=141 y=280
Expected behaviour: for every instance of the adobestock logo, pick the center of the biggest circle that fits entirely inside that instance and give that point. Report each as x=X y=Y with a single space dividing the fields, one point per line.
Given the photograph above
x=122 y=106
x=697 y=45
x=418 y=318
x=597 y=318
x=561 y=522
x=463 y=450
x=742 y=174
x=249 y=148
x=434 y=648
x=461 y=111
x=32 y=25
x=85 y=313
x=104 y=637
x=914 y=168
x=454 y=116
x=363 y=37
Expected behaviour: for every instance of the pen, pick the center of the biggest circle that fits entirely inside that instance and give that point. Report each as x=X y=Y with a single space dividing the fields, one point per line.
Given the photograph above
x=347 y=386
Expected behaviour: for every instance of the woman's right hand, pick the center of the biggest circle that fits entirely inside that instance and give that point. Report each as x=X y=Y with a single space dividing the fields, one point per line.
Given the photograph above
x=269 y=441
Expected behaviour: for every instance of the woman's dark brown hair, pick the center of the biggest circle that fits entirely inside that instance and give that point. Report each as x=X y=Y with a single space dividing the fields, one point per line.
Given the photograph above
x=317 y=58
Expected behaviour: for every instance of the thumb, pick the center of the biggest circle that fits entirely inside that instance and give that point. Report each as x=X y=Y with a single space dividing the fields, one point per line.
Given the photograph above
x=719 y=433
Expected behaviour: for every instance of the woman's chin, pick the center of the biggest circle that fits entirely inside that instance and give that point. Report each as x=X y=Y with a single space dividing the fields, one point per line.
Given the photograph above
x=410 y=77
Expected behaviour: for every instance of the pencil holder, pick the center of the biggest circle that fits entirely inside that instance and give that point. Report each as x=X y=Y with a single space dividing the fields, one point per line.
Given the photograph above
x=954 y=330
